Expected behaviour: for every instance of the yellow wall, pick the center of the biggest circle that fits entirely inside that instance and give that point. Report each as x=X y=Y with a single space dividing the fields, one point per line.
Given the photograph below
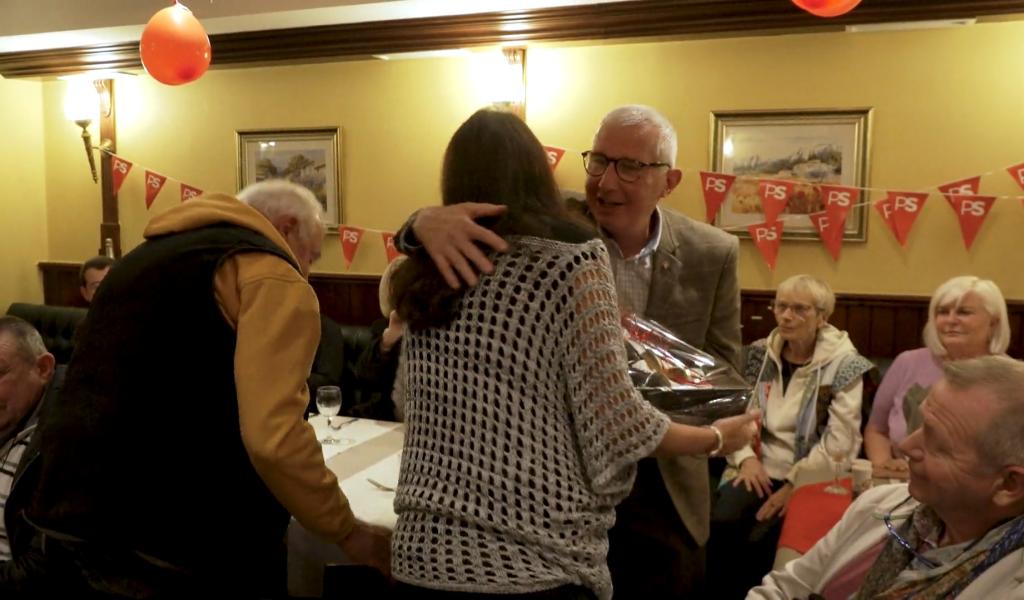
x=23 y=213
x=946 y=106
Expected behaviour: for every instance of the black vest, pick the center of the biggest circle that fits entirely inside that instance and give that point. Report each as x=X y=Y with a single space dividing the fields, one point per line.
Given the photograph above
x=143 y=450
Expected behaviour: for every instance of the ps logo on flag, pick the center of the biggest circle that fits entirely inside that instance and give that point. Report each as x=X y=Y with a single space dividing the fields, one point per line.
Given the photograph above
x=716 y=184
x=838 y=198
x=972 y=207
x=153 y=182
x=775 y=191
x=765 y=234
x=963 y=190
x=350 y=236
x=189 y=194
x=121 y=167
x=552 y=157
x=906 y=203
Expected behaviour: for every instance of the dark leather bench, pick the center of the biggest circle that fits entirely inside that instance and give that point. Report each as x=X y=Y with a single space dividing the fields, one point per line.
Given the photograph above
x=57 y=325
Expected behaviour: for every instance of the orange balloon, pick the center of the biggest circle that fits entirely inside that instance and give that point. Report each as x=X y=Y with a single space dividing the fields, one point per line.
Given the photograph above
x=827 y=8
x=174 y=47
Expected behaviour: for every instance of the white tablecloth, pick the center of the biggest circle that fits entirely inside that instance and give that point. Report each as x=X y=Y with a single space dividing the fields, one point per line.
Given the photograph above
x=367 y=449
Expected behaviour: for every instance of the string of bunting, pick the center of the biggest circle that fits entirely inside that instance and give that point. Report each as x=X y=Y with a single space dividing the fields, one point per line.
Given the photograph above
x=898 y=209
x=349 y=236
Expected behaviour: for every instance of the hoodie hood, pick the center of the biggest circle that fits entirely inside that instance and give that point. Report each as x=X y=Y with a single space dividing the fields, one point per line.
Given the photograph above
x=210 y=209
x=829 y=343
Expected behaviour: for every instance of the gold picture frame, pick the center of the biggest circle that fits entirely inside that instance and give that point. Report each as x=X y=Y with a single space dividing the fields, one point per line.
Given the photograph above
x=810 y=147
x=310 y=157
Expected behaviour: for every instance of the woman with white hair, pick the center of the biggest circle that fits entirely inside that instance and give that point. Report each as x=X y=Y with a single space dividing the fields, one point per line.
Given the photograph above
x=807 y=377
x=966 y=319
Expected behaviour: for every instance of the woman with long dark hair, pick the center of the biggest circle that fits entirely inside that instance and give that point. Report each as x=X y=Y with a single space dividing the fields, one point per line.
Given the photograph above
x=523 y=429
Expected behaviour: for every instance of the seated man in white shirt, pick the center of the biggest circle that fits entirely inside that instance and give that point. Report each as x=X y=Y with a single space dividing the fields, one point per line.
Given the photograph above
x=957 y=529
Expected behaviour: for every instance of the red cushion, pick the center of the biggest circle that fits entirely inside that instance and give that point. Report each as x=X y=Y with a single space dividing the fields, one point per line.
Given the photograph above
x=811 y=513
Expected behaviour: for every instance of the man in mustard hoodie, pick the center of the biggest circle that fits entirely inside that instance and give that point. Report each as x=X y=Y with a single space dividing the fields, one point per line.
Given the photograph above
x=177 y=451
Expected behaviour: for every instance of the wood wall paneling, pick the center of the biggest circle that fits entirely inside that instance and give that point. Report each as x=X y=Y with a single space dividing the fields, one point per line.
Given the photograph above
x=879 y=326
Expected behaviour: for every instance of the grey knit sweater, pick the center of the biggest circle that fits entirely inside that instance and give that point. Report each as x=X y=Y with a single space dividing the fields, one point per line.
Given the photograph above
x=523 y=429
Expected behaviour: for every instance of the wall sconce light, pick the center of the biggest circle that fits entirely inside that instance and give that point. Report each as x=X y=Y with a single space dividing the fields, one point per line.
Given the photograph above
x=84 y=96
x=502 y=75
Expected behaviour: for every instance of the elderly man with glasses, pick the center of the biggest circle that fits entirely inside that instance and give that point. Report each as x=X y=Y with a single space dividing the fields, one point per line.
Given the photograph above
x=956 y=530
x=667 y=267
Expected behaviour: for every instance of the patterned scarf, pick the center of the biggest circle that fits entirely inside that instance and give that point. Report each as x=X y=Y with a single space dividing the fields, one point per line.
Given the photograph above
x=946 y=581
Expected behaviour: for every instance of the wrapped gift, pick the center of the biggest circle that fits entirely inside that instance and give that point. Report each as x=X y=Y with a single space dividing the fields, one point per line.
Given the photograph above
x=688 y=384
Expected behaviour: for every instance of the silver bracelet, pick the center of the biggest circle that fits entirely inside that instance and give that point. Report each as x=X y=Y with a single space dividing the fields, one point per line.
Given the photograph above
x=721 y=441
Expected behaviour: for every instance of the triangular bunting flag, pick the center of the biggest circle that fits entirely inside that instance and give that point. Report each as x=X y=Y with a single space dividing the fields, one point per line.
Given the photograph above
x=188 y=192
x=904 y=207
x=389 y=246
x=716 y=187
x=831 y=236
x=766 y=237
x=963 y=187
x=838 y=200
x=154 y=183
x=119 y=168
x=1017 y=172
x=350 y=238
x=775 y=195
x=971 y=211
x=884 y=208
x=554 y=155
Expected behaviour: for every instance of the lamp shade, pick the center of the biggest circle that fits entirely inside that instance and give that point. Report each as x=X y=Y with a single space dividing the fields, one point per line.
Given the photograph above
x=827 y=8
x=81 y=102
x=174 y=46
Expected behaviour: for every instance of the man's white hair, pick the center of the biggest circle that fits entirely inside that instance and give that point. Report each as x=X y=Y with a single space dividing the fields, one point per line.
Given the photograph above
x=28 y=344
x=278 y=197
x=1000 y=442
x=645 y=117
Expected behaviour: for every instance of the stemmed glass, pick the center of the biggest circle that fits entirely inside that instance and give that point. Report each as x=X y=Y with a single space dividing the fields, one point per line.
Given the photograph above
x=328 y=403
x=837 y=443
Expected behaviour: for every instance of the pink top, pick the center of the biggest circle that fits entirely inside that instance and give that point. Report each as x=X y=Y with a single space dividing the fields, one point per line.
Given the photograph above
x=912 y=368
x=849 y=579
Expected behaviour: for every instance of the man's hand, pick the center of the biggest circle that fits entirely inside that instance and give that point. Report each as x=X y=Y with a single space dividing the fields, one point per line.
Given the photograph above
x=753 y=475
x=449 y=233
x=737 y=431
x=776 y=504
x=369 y=545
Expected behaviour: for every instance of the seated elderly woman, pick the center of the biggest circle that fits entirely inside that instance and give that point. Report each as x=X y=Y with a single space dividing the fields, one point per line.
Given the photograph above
x=966 y=318
x=807 y=377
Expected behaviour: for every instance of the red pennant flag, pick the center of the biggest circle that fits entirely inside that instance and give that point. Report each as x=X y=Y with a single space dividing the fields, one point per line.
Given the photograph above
x=831 y=235
x=838 y=200
x=972 y=211
x=766 y=237
x=119 y=168
x=389 y=246
x=716 y=187
x=775 y=195
x=1017 y=172
x=900 y=209
x=188 y=192
x=963 y=187
x=554 y=155
x=350 y=238
x=154 y=183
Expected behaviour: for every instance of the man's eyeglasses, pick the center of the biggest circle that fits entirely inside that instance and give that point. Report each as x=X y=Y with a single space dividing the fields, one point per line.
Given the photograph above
x=627 y=169
x=800 y=310
x=887 y=519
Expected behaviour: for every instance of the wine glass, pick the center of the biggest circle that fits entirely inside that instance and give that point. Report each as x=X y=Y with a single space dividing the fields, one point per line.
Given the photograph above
x=837 y=443
x=328 y=403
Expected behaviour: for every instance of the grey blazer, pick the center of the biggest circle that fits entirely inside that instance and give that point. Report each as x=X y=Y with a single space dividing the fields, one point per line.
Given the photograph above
x=695 y=293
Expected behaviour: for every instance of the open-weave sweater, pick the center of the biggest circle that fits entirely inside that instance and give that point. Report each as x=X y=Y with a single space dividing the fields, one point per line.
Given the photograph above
x=523 y=429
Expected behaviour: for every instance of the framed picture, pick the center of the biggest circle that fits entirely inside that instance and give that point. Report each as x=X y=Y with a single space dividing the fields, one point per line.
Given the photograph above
x=809 y=147
x=309 y=157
